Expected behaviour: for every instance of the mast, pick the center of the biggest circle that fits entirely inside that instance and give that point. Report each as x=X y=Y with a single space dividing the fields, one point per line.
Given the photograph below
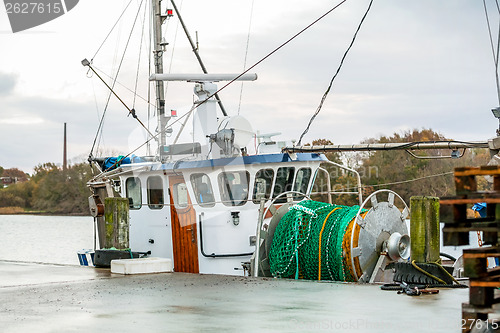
x=158 y=59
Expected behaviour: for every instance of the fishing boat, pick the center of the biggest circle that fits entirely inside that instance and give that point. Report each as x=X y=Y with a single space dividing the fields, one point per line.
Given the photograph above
x=212 y=207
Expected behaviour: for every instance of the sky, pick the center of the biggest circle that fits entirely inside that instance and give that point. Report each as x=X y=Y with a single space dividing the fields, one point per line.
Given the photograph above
x=418 y=64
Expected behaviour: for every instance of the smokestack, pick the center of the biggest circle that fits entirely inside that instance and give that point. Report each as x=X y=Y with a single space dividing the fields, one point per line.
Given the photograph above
x=65 y=162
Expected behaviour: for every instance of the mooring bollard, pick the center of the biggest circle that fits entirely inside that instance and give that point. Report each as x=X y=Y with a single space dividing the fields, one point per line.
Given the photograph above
x=424 y=229
x=116 y=213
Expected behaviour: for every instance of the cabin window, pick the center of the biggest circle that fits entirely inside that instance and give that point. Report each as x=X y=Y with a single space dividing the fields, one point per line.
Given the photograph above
x=302 y=181
x=155 y=192
x=234 y=187
x=203 y=190
x=284 y=182
x=180 y=195
x=133 y=192
x=263 y=185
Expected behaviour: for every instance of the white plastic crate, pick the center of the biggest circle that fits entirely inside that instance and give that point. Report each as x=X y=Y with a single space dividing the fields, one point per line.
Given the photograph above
x=141 y=265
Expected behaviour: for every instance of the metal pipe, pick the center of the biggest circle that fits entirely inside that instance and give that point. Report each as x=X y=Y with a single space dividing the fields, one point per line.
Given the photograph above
x=195 y=50
x=390 y=146
x=360 y=193
x=333 y=192
x=258 y=242
x=202 y=77
x=328 y=185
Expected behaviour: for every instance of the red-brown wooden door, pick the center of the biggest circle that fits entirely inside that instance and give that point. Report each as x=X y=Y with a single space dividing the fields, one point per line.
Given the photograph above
x=184 y=231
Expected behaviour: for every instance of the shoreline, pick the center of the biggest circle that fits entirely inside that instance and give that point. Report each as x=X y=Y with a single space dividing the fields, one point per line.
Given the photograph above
x=42 y=213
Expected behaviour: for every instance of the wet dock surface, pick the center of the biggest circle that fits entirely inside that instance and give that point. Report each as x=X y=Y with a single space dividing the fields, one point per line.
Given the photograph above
x=50 y=298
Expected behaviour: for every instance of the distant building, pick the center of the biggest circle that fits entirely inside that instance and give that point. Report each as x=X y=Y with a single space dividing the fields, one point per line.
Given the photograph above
x=6 y=181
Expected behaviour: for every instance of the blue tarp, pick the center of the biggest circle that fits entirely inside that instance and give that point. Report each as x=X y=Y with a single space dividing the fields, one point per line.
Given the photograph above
x=110 y=163
x=480 y=207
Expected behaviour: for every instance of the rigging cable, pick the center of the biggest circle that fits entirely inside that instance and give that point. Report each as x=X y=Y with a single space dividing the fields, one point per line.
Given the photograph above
x=335 y=75
x=123 y=86
x=143 y=144
x=250 y=68
x=495 y=54
x=246 y=53
x=412 y=180
x=148 y=145
x=140 y=53
x=131 y=111
x=402 y=181
x=109 y=33
x=274 y=51
x=173 y=51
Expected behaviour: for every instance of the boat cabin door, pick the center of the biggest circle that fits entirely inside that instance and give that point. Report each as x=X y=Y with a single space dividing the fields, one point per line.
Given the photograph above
x=184 y=231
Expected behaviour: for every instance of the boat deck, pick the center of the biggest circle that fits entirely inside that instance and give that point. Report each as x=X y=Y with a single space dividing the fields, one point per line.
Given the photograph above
x=51 y=298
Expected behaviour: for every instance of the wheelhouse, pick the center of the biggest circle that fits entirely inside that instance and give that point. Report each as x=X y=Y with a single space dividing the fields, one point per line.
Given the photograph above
x=204 y=214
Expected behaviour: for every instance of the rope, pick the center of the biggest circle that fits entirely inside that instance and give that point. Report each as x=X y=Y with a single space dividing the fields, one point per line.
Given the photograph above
x=495 y=55
x=437 y=263
x=320 y=235
x=427 y=273
x=335 y=75
x=446 y=272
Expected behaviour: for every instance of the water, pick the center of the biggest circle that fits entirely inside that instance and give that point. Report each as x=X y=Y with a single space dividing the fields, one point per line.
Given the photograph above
x=45 y=239
x=57 y=239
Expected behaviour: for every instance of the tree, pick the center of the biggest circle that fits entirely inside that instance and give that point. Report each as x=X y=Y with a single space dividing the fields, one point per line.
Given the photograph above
x=61 y=192
x=50 y=190
x=398 y=170
x=15 y=173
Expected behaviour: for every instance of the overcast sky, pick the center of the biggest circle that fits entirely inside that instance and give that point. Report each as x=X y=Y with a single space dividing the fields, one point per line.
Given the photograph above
x=415 y=64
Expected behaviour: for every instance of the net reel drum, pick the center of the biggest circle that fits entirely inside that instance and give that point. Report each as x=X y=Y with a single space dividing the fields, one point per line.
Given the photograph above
x=374 y=238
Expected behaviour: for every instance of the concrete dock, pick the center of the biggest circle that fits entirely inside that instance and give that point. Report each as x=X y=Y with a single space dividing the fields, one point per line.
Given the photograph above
x=50 y=298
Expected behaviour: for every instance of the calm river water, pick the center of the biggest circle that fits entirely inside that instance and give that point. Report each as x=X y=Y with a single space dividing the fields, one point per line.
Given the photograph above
x=57 y=239
x=46 y=239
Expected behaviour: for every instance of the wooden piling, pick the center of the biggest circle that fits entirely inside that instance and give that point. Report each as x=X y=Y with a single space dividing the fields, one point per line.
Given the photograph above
x=424 y=229
x=116 y=214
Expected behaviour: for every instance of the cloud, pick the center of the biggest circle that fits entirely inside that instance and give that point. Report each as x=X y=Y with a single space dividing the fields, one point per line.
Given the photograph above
x=7 y=83
x=414 y=65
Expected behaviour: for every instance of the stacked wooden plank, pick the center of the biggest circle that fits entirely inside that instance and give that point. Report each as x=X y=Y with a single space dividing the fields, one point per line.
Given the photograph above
x=483 y=281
